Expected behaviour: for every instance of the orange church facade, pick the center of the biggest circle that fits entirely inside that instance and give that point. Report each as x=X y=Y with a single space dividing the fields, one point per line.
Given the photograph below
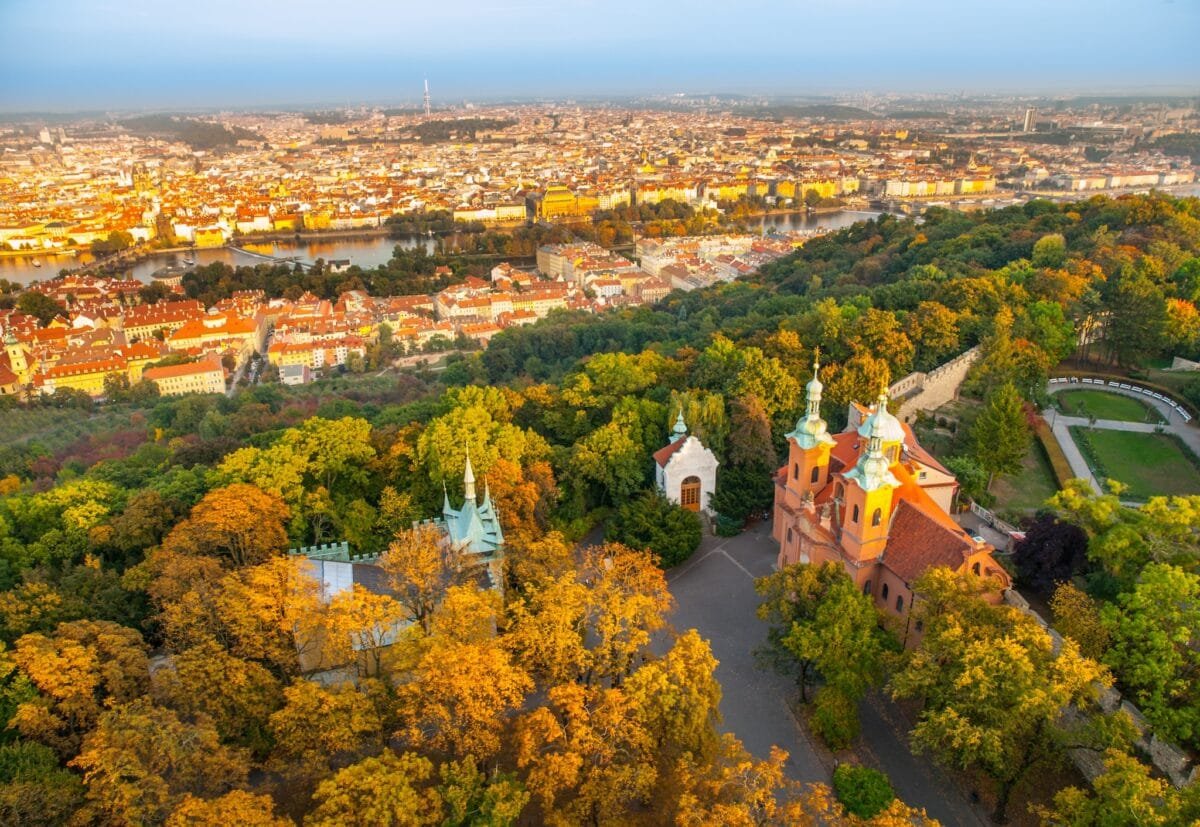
x=872 y=499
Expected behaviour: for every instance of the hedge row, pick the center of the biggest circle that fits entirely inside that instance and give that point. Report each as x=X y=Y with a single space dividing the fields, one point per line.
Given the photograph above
x=1054 y=453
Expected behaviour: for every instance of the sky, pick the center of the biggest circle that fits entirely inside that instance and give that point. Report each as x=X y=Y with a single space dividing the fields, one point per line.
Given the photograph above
x=62 y=55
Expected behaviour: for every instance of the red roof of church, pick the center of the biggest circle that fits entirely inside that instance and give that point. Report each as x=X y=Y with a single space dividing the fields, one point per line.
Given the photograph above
x=917 y=541
x=663 y=455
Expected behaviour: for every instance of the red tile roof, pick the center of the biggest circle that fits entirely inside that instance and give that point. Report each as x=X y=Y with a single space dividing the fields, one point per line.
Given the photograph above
x=663 y=455
x=917 y=541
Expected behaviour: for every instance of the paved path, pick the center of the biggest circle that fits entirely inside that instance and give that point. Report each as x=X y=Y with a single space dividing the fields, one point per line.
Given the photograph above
x=714 y=592
x=1060 y=423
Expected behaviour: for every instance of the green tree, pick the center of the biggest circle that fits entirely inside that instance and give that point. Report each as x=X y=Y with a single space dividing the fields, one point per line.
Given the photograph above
x=992 y=687
x=864 y=792
x=651 y=522
x=40 y=306
x=1050 y=251
x=1137 y=319
x=1000 y=434
x=1153 y=631
x=815 y=615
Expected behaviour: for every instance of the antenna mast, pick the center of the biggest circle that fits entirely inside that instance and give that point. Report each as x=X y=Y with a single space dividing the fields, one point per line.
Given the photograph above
x=428 y=108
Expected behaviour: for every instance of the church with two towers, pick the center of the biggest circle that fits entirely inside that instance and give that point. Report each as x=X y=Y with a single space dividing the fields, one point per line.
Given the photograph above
x=874 y=501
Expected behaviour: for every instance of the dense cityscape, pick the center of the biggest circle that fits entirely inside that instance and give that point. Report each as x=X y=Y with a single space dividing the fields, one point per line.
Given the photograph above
x=507 y=437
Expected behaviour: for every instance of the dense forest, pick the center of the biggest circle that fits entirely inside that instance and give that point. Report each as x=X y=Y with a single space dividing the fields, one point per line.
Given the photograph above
x=154 y=627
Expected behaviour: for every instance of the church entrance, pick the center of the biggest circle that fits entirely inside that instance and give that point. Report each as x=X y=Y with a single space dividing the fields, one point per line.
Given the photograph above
x=689 y=493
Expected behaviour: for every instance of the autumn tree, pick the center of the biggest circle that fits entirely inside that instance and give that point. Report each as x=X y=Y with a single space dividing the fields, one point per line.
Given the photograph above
x=142 y=760
x=317 y=725
x=239 y=523
x=1124 y=795
x=420 y=566
x=235 y=807
x=547 y=629
x=992 y=687
x=816 y=615
x=1077 y=616
x=361 y=625
x=586 y=754
x=459 y=698
x=678 y=698
x=389 y=789
x=34 y=788
x=539 y=561
x=237 y=695
x=84 y=667
x=627 y=603
x=273 y=612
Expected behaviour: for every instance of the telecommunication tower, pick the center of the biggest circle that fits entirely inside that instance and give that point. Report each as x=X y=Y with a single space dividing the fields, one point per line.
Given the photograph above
x=428 y=108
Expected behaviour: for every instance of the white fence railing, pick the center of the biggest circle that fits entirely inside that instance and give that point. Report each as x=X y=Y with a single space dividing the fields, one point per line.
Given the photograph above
x=1125 y=386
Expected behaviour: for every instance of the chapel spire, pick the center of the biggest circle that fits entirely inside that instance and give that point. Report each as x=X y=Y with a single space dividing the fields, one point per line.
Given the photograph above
x=680 y=429
x=469 y=478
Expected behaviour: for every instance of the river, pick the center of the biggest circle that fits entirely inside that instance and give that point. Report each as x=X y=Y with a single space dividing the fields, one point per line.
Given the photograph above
x=365 y=251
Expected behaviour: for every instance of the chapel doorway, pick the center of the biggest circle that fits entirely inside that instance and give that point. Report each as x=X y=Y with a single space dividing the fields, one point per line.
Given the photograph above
x=689 y=493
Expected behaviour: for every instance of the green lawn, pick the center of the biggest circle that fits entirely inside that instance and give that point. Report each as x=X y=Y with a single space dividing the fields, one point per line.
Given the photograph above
x=1027 y=491
x=1150 y=464
x=1103 y=405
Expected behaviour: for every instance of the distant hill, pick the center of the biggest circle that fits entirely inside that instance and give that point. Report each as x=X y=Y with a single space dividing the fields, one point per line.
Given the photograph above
x=195 y=133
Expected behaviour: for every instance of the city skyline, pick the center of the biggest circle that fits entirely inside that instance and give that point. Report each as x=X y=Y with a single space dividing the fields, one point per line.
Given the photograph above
x=68 y=55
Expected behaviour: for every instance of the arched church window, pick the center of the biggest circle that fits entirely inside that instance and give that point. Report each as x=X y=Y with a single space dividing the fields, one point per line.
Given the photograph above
x=816 y=474
x=854 y=515
x=975 y=568
x=877 y=517
x=789 y=537
x=796 y=471
x=867 y=587
x=884 y=591
x=899 y=602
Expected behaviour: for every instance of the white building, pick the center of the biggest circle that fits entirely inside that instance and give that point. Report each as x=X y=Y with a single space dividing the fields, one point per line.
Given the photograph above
x=685 y=471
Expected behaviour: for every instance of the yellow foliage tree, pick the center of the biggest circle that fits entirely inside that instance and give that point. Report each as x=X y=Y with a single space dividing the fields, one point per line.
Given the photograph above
x=237 y=695
x=391 y=790
x=627 y=603
x=83 y=667
x=420 y=567
x=586 y=755
x=142 y=760
x=318 y=724
x=236 y=807
x=459 y=699
x=239 y=523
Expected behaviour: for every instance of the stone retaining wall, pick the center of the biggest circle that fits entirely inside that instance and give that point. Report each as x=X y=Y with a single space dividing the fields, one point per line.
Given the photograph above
x=1173 y=762
x=926 y=391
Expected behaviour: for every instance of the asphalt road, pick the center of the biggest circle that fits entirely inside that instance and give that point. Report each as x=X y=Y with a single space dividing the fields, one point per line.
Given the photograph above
x=715 y=594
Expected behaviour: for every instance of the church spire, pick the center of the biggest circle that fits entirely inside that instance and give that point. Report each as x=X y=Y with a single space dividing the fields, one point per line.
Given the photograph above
x=814 y=388
x=680 y=429
x=810 y=429
x=873 y=469
x=469 y=478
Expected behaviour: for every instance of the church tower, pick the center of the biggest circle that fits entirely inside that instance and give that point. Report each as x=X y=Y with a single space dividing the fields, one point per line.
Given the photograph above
x=808 y=446
x=17 y=360
x=867 y=497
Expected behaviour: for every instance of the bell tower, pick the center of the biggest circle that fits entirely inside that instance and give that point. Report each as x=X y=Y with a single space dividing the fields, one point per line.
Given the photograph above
x=17 y=360
x=808 y=446
x=867 y=507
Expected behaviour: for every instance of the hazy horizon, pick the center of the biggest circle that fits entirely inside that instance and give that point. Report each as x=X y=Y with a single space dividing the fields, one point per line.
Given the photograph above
x=70 y=55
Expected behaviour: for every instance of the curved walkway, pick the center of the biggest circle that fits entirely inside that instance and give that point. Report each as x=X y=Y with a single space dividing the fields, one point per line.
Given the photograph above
x=1061 y=423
